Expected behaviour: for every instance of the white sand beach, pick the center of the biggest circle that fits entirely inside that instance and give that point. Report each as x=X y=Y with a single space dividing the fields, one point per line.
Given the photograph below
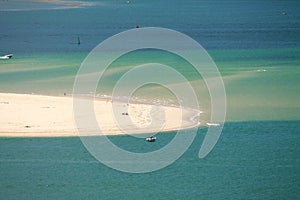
x=25 y=115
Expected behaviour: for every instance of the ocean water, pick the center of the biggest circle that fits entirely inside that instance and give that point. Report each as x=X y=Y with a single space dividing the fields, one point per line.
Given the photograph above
x=256 y=47
x=252 y=160
x=254 y=44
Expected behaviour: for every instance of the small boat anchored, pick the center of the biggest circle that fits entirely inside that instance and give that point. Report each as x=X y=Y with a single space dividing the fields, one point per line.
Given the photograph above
x=8 y=56
x=151 y=139
x=78 y=40
x=137 y=25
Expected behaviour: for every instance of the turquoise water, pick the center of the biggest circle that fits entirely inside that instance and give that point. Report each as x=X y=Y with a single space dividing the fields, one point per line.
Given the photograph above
x=252 y=94
x=256 y=46
x=257 y=160
x=242 y=38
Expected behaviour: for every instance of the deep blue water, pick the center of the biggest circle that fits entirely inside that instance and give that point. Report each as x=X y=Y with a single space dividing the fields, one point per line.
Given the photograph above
x=252 y=160
x=215 y=24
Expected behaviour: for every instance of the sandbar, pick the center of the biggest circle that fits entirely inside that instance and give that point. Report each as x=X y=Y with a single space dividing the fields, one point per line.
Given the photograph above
x=28 y=115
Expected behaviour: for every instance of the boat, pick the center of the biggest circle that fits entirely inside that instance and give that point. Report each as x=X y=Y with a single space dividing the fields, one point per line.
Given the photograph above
x=151 y=139
x=78 y=40
x=8 y=56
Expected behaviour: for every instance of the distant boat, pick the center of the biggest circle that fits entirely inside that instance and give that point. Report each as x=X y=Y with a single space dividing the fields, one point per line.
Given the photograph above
x=78 y=40
x=8 y=56
x=151 y=139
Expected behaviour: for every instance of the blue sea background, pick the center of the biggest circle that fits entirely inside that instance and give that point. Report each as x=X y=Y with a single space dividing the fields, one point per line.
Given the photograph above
x=256 y=46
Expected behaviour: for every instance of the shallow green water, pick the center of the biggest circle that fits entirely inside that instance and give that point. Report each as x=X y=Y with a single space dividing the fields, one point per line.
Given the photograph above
x=259 y=84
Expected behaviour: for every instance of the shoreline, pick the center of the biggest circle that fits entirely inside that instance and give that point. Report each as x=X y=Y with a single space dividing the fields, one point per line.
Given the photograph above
x=32 y=115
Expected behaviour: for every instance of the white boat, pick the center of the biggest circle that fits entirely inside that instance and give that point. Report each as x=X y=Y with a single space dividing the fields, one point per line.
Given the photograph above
x=8 y=56
x=151 y=139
